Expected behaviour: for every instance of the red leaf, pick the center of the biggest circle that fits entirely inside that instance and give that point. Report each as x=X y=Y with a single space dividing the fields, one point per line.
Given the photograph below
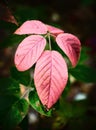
x=70 y=44
x=50 y=77
x=54 y=30
x=6 y=14
x=32 y=27
x=29 y=51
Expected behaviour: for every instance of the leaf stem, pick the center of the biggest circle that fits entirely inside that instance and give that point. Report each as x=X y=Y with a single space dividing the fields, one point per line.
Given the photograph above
x=49 y=41
x=26 y=93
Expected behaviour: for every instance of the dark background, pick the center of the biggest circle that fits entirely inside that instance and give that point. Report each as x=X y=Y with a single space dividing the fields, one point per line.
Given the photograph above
x=73 y=16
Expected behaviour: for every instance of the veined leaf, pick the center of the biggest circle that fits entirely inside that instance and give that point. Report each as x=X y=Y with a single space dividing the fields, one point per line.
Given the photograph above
x=70 y=44
x=54 y=30
x=36 y=104
x=50 y=77
x=14 y=108
x=28 y=51
x=15 y=114
x=32 y=27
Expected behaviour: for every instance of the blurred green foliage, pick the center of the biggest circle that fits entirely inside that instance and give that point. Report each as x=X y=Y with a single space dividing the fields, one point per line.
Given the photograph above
x=14 y=106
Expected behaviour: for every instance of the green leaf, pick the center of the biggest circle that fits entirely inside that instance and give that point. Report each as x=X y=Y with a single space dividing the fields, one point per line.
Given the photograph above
x=9 y=86
x=13 y=108
x=72 y=109
x=84 y=73
x=24 y=125
x=36 y=104
x=84 y=55
x=21 y=77
x=15 y=114
x=12 y=40
x=67 y=88
x=6 y=101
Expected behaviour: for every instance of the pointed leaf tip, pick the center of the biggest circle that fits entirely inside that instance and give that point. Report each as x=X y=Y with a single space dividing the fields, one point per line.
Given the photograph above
x=28 y=51
x=54 y=30
x=50 y=77
x=32 y=27
x=71 y=46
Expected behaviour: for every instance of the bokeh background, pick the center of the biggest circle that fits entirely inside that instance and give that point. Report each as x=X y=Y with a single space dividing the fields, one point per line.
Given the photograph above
x=73 y=16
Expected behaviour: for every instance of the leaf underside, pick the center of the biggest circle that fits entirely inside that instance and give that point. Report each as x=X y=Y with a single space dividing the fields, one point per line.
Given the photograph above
x=28 y=51
x=54 y=30
x=70 y=44
x=32 y=27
